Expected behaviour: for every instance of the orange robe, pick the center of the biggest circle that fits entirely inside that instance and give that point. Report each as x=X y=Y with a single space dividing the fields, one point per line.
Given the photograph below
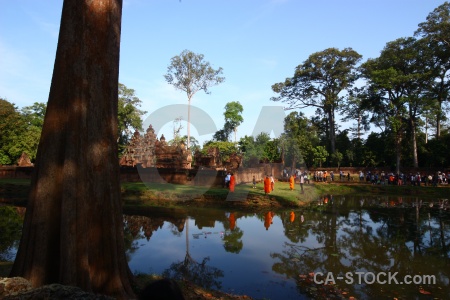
x=232 y=220
x=268 y=220
x=291 y=182
x=232 y=183
x=292 y=217
x=267 y=187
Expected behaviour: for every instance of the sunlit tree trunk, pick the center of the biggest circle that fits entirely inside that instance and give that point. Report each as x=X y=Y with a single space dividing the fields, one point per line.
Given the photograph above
x=73 y=229
x=398 y=142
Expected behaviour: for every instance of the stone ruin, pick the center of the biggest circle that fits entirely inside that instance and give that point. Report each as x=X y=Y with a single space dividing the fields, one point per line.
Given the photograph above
x=148 y=151
x=24 y=160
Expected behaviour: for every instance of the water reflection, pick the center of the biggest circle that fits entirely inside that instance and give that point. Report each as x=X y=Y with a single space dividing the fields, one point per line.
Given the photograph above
x=277 y=254
x=278 y=258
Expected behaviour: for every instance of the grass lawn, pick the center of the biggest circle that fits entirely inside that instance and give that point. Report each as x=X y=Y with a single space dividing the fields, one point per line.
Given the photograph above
x=165 y=194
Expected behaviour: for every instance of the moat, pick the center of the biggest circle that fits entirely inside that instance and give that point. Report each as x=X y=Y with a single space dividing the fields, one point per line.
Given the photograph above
x=287 y=254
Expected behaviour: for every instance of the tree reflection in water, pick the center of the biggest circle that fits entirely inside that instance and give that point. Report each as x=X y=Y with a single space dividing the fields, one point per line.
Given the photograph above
x=410 y=236
x=193 y=271
x=232 y=237
x=10 y=230
x=386 y=235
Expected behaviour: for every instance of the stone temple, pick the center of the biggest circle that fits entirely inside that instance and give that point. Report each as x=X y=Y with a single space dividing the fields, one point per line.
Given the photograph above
x=149 y=151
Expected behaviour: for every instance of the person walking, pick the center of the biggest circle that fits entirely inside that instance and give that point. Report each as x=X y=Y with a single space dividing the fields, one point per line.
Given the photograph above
x=227 y=180
x=302 y=181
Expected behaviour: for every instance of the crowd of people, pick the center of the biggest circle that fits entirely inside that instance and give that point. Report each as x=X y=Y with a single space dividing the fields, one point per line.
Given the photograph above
x=305 y=177
x=415 y=179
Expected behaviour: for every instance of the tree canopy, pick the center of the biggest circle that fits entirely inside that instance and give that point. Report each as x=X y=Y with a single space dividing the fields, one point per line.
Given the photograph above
x=190 y=73
x=319 y=82
x=233 y=118
x=129 y=115
x=20 y=130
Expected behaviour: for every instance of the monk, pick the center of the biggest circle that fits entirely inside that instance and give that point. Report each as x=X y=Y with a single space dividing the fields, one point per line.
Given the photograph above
x=232 y=182
x=267 y=187
x=291 y=182
x=268 y=220
x=292 y=217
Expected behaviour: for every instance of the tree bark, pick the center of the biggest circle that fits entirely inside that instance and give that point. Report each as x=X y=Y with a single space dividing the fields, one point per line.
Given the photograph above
x=438 y=120
x=398 y=142
x=332 y=130
x=73 y=228
x=414 y=142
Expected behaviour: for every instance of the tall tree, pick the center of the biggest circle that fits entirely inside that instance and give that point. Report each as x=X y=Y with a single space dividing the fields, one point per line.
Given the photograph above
x=436 y=32
x=320 y=82
x=398 y=79
x=298 y=139
x=73 y=228
x=188 y=72
x=233 y=115
x=354 y=110
x=129 y=115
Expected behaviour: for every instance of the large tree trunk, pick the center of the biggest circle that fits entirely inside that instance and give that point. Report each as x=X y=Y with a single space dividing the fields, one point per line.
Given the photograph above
x=398 y=147
x=331 y=120
x=73 y=229
x=438 y=120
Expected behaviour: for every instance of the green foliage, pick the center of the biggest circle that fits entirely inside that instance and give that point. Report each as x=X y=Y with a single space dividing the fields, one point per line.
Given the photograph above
x=337 y=158
x=272 y=150
x=298 y=139
x=436 y=35
x=399 y=82
x=320 y=155
x=319 y=81
x=35 y=114
x=259 y=149
x=20 y=130
x=188 y=72
x=233 y=119
x=225 y=148
x=233 y=116
x=129 y=115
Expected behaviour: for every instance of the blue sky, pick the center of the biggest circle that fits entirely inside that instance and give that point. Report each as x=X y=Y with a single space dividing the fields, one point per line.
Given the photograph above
x=256 y=42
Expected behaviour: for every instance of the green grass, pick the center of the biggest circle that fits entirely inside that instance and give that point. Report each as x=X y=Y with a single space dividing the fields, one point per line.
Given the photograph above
x=138 y=193
x=15 y=181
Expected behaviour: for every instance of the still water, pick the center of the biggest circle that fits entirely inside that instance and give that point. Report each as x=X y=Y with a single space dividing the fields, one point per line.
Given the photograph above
x=360 y=247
